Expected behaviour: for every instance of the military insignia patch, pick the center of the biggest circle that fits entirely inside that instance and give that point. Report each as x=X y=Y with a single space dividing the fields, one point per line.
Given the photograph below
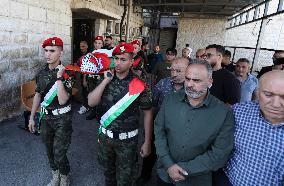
x=53 y=42
x=122 y=49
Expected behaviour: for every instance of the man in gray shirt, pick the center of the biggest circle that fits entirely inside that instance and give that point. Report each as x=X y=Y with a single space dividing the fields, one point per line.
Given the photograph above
x=194 y=131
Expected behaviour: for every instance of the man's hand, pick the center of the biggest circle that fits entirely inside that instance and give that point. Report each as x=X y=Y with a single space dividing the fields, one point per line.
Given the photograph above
x=177 y=173
x=85 y=84
x=32 y=126
x=145 y=150
x=108 y=76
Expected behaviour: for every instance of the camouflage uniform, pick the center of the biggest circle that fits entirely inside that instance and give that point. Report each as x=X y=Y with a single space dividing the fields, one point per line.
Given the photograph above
x=119 y=156
x=92 y=83
x=56 y=130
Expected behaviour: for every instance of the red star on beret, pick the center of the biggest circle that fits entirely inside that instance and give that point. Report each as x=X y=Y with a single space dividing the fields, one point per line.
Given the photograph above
x=123 y=48
x=137 y=42
x=53 y=41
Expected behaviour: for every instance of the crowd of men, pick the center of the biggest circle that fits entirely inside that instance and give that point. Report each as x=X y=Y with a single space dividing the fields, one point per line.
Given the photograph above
x=206 y=120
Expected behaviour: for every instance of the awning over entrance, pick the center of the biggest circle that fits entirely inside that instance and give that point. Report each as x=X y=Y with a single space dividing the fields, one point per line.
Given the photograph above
x=90 y=10
x=198 y=7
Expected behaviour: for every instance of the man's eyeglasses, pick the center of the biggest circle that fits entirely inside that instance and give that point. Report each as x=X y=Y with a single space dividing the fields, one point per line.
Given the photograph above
x=208 y=55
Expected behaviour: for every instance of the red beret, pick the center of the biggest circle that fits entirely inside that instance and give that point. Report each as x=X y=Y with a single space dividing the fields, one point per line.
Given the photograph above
x=123 y=48
x=99 y=38
x=53 y=41
x=137 y=42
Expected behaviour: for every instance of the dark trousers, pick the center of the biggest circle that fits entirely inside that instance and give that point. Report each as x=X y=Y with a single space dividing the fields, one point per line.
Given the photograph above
x=118 y=158
x=160 y=182
x=56 y=135
x=220 y=178
x=149 y=162
x=27 y=117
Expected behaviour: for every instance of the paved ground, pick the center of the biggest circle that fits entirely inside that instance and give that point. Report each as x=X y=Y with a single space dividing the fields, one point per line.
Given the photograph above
x=23 y=161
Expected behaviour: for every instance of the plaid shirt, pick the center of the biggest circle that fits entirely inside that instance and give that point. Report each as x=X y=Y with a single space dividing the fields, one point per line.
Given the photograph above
x=258 y=155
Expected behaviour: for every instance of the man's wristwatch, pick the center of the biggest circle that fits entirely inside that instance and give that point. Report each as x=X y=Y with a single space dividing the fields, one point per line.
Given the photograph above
x=60 y=78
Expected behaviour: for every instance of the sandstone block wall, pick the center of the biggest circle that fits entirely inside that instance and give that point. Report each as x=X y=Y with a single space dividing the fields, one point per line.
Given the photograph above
x=246 y=36
x=24 y=24
x=199 y=33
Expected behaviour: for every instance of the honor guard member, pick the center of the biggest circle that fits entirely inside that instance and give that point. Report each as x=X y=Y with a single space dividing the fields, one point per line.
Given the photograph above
x=120 y=95
x=53 y=93
x=92 y=79
x=138 y=62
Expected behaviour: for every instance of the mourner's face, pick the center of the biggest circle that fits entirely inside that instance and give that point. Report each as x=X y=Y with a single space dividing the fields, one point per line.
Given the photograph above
x=170 y=56
x=108 y=42
x=185 y=53
x=212 y=56
x=157 y=48
x=83 y=47
x=137 y=48
x=200 y=54
x=178 y=72
x=242 y=69
x=123 y=62
x=52 y=54
x=197 y=81
x=98 y=44
x=271 y=99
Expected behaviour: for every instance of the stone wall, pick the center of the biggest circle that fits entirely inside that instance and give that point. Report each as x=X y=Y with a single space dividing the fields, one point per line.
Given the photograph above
x=199 y=33
x=246 y=36
x=114 y=11
x=23 y=26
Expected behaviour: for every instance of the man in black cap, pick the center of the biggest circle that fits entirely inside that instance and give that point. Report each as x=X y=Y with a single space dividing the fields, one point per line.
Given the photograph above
x=277 y=64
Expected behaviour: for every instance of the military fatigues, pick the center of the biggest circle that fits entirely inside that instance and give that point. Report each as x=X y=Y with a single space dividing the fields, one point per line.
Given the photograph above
x=92 y=83
x=56 y=129
x=115 y=155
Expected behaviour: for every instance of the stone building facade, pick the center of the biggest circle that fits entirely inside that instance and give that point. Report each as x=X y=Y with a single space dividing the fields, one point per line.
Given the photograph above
x=24 y=24
x=246 y=36
x=200 y=32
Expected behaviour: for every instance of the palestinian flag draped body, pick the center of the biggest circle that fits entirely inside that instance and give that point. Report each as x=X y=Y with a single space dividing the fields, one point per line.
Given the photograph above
x=97 y=63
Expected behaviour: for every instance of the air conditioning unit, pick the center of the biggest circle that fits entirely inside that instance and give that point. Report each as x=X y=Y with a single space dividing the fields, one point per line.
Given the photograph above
x=145 y=31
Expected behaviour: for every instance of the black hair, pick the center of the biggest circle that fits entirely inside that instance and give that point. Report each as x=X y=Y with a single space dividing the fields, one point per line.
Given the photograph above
x=279 y=51
x=227 y=53
x=219 y=48
x=244 y=60
x=109 y=37
x=144 y=43
x=172 y=50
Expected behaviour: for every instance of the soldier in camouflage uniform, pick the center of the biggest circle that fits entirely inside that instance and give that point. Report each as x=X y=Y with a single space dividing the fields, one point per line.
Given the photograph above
x=118 y=142
x=93 y=79
x=56 y=127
